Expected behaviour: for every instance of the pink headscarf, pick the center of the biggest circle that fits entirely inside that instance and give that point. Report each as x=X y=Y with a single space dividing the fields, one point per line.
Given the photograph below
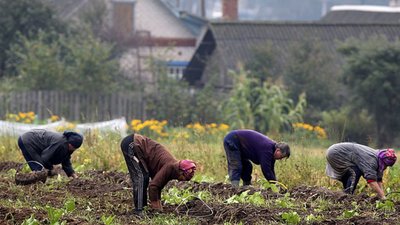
x=386 y=157
x=188 y=167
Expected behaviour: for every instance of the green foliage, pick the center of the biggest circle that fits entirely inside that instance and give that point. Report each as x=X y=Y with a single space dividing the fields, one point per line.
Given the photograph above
x=372 y=74
x=23 y=18
x=291 y=217
x=347 y=214
x=69 y=205
x=78 y=62
x=264 y=183
x=285 y=201
x=31 y=221
x=311 y=70
x=350 y=213
x=262 y=107
x=55 y=215
x=386 y=206
x=169 y=100
x=26 y=168
x=205 y=104
x=95 y=15
x=312 y=218
x=108 y=220
x=256 y=198
x=349 y=124
x=263 y=65
x=175 y=196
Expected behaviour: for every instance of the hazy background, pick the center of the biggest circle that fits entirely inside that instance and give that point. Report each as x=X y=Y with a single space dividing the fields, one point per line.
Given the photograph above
x=273 y=9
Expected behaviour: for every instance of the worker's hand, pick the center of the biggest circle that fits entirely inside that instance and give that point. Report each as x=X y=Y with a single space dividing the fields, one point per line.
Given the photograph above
x=74 y=176
x=156 y=205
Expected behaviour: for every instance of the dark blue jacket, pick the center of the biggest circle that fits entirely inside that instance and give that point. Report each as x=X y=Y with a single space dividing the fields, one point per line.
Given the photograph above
x=259 y=149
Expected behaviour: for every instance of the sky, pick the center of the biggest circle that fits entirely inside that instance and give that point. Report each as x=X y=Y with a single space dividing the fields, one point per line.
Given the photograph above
x=273 y=9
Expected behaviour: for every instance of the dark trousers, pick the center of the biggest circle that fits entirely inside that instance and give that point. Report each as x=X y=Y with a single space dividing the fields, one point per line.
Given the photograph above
x=34 y=166
x=238 y=166
x=350 y=179
x=137 y=172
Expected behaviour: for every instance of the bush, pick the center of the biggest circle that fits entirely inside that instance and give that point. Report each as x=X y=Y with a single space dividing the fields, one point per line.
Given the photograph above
x=346 y=124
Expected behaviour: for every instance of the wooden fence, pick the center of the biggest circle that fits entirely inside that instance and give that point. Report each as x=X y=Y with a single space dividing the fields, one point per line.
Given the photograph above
x=74 y=106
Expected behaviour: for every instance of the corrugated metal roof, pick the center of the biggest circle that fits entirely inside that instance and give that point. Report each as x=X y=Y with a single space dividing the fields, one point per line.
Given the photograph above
x=231 y=43
x=236 y=41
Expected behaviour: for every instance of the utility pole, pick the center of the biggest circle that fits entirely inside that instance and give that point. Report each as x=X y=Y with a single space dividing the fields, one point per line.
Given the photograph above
x=324 y=7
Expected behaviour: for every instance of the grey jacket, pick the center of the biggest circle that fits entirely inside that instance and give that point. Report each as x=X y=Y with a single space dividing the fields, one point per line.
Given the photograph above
x=48 y=148
x=341 y=156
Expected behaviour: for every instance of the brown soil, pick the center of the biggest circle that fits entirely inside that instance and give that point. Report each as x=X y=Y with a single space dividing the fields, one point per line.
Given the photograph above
x=100 y=193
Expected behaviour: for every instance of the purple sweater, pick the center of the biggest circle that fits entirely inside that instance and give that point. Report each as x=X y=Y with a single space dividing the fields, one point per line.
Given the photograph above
x=259 y=149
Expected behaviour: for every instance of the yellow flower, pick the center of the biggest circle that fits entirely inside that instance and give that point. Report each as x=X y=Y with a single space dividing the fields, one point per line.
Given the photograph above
x=54 y=118
x=213 y=125
x=31 y=114
x=223 y=127
x=135 y=122
x=22 y=115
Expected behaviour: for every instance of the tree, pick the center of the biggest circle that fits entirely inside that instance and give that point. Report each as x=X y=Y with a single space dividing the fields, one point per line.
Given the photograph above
x=372 y=73
x=78 y=62
x=311 y=70
x=263 y=66
x=168 y=99
x=23 y=18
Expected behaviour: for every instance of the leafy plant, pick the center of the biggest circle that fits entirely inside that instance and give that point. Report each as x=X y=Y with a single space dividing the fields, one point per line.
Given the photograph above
x=262 y=107
x=312 y=218
x=351 y=213
x=55 y=215
x=386 y=206
x=244 y=197
x=31 y=221
x=264 y=183
x=108 y=220
x=176 y=196
x=69 y=205
x=291 y=217
x=285 y=201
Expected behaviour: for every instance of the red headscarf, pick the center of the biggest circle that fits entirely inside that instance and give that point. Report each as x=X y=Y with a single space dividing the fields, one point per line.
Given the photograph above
x=188 y=167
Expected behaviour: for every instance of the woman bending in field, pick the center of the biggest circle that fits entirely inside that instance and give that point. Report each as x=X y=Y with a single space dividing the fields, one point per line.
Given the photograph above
x=50 y=148
x=347 y=162
x=146 y=159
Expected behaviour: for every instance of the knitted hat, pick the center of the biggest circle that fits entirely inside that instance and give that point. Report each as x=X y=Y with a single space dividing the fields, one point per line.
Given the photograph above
x=386 y=157
x=73 y=138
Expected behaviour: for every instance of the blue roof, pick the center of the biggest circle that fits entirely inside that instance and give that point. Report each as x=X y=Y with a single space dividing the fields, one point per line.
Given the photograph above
x=178 y=63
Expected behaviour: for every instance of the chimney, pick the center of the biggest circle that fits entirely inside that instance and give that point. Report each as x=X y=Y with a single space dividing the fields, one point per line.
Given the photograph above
x=123 y=18
x=230 y=10
x=394 y=3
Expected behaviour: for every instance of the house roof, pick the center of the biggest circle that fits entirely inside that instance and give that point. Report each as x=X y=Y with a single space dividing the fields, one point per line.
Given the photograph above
x=67 y=9
x=236 y=41
x=167 y=20
x=362 y=14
